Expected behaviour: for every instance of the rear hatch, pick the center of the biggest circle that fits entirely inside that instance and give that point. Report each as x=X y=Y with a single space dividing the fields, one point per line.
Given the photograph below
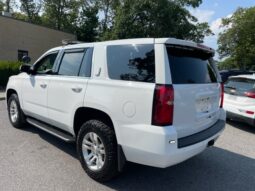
x=196 y=89
x=240 y=93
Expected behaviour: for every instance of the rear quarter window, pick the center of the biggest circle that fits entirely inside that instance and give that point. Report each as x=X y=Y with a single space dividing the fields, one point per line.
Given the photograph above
x=131 y=62
x=191 y=66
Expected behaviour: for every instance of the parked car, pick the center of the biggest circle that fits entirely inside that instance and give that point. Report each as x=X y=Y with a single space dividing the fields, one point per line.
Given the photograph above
x=225 y=74
x=240 y=98
x=150 y=101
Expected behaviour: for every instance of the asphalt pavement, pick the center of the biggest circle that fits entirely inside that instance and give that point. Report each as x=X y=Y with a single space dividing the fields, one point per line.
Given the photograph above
x=31 y=159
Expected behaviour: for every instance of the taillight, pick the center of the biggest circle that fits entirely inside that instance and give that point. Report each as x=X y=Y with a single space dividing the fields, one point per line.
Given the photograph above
x=250 y=94
x=221 y=94
x=163 y=105
x=249 y=112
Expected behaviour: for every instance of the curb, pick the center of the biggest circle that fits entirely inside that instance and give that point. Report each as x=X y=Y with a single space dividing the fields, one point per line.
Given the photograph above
x=2 y=98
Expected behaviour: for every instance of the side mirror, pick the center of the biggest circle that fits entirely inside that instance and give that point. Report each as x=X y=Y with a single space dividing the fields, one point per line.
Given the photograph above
x=26 y=59
x=25 y=68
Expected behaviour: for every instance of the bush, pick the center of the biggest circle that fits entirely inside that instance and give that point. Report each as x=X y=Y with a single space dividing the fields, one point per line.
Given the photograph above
x=7 y=69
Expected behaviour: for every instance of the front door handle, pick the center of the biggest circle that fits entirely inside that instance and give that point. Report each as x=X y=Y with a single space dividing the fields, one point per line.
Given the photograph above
x=77 y=90
x=43 y=86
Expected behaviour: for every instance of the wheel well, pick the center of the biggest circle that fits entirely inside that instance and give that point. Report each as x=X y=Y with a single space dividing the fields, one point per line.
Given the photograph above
x=9 y=93
x=84 y=114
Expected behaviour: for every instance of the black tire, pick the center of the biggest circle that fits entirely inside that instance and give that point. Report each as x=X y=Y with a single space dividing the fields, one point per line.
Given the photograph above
x=110 y=168
x=20 y=121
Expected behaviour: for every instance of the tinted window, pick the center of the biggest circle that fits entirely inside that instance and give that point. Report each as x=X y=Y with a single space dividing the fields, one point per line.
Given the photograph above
x=70 y=64
x=46 y=64
x=237 y=86
x=85 y=70
x=131 y=62
x=190 y=66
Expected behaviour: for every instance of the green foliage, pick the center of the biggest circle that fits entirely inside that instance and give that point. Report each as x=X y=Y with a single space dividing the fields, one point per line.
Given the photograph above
x=124 y=19
x=7 y=69
x=162 y=18
x=20 y=16
x=193 y=3
x=1 y=5
x=94 y=20
x=227 y=64
x=61 y=14
x=238 y=40
x=31 y=9
x=8 y=7
x=87 y=25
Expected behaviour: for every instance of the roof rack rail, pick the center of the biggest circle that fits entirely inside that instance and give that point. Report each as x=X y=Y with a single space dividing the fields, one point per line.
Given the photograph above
x=70 y=42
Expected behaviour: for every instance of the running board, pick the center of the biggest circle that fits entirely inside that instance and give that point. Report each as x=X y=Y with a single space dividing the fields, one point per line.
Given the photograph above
x=52 y=130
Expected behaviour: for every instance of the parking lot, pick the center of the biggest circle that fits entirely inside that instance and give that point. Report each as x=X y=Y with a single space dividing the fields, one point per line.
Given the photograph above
x=31 y=159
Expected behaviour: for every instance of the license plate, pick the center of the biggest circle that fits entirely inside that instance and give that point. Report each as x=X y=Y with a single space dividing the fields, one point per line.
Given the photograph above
x=204 y=104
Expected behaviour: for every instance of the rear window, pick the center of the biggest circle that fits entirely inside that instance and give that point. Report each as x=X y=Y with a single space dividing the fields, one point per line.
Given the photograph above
x=190 y=65
x=237 y=86
x=131 y=62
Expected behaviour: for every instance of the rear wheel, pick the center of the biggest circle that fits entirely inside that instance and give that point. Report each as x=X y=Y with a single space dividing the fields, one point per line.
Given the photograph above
x=97 y=150
x=16 y=115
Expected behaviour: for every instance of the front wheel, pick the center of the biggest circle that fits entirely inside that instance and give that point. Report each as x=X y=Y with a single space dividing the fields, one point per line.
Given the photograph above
x=97 y=150
x=16 y=115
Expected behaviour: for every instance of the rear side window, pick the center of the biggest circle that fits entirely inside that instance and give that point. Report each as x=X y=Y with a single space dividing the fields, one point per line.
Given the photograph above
x=238 y=86
x=71 y=62
x=85 y=70
x=131 y=62
x=190 y=66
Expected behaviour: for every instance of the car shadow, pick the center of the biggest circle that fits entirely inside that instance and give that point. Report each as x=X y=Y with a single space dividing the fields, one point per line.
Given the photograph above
x=214 y=169
x=242 y=126
x=68 y=148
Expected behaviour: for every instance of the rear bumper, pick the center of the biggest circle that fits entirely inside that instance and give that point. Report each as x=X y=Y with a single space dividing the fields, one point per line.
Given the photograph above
x=248 y=120
x=160 y=147
x=201 y=136
x=237 y=112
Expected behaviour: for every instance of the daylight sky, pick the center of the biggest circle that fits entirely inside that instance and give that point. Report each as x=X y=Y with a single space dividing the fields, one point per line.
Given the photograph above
x=212 y=11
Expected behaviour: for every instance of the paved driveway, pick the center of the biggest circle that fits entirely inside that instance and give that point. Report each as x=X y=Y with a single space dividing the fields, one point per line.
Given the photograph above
x=31 y=159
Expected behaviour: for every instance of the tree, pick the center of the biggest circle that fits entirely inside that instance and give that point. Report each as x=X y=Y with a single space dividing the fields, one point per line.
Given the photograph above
x=1 y=6
x=87 y=25
x=20 y=16
x=8 y=5
x=91 y=20
x=162 y=18
x=61 y=14
x=227 y=64
x=106 y=10
x=31 y=8
x=238 y=40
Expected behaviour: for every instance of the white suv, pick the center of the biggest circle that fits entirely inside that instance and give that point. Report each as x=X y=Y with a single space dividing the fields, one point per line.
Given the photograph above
x=151 y=101
x=240 y=98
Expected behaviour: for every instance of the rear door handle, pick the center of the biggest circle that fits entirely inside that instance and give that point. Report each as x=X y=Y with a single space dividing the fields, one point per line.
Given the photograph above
x=77 y=90
x=43 y=86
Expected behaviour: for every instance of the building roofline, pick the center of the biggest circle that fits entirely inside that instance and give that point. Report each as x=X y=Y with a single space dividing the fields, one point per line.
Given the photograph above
x=36 y=24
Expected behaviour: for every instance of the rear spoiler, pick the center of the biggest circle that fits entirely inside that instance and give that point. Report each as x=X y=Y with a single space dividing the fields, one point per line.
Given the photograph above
x=185 y=43
x=198 y=47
